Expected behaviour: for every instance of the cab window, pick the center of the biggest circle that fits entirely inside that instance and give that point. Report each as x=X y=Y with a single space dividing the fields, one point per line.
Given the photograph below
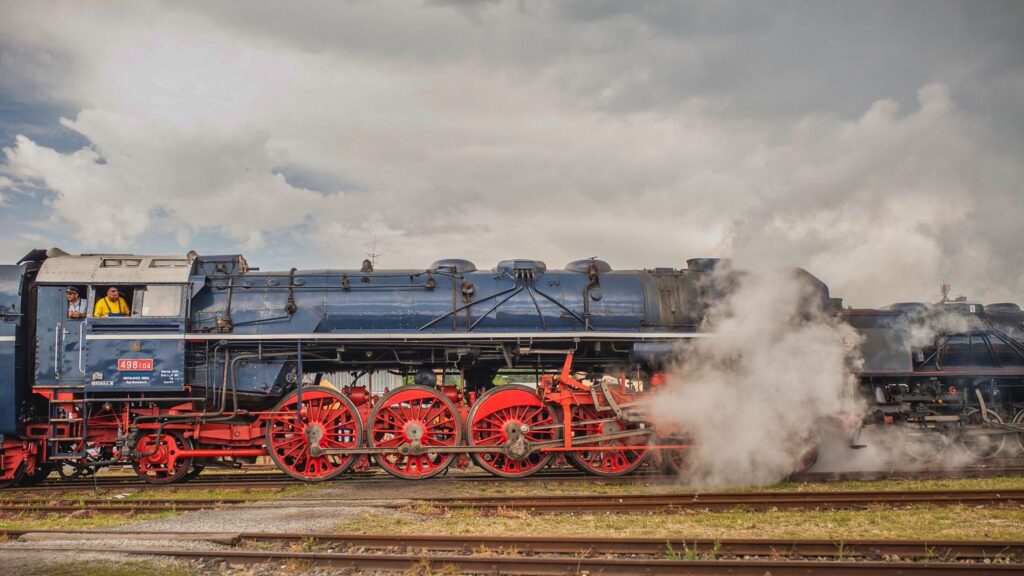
x=78 y=303
x=157 y=300
x=102 y=307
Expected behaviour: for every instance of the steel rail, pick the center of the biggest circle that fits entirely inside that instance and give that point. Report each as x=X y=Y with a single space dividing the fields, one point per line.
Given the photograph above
x=558 y=565
x=776 y=548
x=280 y=480
x=577 y=503
x=726 y=501
x=107 y=507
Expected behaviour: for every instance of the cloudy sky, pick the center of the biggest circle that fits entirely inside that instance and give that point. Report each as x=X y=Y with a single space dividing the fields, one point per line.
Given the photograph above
x=878 y=144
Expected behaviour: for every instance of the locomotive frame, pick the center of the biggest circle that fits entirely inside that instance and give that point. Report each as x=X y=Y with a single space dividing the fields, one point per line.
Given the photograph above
x=196 y=382
x=221 y=363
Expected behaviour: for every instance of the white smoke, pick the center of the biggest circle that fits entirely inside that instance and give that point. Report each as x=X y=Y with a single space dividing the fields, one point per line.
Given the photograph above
x=924 y=330
x=755 y=397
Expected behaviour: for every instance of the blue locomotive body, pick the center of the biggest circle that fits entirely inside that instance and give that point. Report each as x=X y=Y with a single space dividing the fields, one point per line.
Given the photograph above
x=185 y=311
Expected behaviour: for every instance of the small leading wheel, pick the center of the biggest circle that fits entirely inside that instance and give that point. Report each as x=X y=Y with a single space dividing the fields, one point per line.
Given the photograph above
x=414 y=420
x=159 y=463
x=511 y=418
x=615 y=457
x=975 y=441
x=328 y=419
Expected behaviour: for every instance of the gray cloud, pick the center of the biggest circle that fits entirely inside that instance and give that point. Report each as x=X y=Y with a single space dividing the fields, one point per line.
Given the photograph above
x=875 y=144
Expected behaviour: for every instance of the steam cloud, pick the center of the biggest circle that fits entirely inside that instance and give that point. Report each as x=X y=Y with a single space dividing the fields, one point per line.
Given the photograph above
x=756 y=397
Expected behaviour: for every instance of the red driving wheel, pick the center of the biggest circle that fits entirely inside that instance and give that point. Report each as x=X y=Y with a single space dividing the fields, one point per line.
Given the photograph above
x=327 y=417
x=413 y=420
x=155 y=465
x=610 y=457
x=501 y=415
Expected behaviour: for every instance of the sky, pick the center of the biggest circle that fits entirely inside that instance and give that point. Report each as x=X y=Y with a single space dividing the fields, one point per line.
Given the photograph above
x=876 y=144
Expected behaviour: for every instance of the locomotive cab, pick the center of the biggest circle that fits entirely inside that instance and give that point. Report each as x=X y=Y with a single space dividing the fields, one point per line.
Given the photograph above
x=138 y=349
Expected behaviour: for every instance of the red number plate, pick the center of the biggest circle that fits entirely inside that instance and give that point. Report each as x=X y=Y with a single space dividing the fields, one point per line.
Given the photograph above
x=135 y=364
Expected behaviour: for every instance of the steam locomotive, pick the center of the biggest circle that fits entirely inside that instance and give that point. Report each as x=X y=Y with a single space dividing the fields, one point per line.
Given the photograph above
x=219 y=363
x=951 y=373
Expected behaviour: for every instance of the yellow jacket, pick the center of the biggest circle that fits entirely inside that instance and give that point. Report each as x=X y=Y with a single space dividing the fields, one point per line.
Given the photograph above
x=104 y=307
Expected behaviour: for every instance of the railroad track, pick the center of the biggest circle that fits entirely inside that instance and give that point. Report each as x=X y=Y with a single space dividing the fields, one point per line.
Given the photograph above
x=579 y=503
x=281 y=481
x=730 y=500
x=544 y=555
x=274 y=480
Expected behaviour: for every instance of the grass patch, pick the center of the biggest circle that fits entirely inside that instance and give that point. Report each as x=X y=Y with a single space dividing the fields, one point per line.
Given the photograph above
x=147 y=493
x=911 y=523
x=87 y=521
x=994 y=483
x=103 y=568
x=641 y=485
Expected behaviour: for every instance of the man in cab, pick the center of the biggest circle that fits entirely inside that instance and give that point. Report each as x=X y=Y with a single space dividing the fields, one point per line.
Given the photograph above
x=112 y=305
x=77 y=306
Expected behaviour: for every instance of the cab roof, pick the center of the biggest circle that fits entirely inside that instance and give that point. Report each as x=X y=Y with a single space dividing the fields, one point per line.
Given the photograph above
x=62 y=268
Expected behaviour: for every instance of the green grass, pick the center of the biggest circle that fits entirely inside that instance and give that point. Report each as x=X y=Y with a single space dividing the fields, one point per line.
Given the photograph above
x=994 y=483
x=145 y=493
x=29 y=521
x=910 y=523
x=104 y=568
x=661 y=485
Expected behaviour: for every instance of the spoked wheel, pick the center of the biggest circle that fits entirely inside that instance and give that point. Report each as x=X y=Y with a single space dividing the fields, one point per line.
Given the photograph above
x=414 y=420
x=983 y=446
x=1019 y=419
x=68 y=471
x=511 y=418
x=924 y=444
x=156 y=466
x=329 y=420
x=674 y=460
x=610 y=457
x=194 y=471
x=806 y=460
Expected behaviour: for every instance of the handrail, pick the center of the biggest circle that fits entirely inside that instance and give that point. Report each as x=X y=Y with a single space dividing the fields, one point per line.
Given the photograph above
x=56 y=351
x=81 y=345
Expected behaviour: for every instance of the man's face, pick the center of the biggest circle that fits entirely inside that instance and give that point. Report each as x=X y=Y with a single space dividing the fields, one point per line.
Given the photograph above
x=72 y=297
x=113 y=294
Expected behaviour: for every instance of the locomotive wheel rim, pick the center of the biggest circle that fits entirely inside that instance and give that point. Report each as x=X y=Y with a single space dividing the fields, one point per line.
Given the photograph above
x=984 y=447
x=414 y=413
x=194 y=471
x=1019 y=419
x=156 y=468
x=603 y=462
x=489 y=418
x=674 y=460
x=288 y=444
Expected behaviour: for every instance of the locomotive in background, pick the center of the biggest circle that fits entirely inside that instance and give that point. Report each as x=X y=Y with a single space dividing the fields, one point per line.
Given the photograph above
x=220 y=363
x=952 y=373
